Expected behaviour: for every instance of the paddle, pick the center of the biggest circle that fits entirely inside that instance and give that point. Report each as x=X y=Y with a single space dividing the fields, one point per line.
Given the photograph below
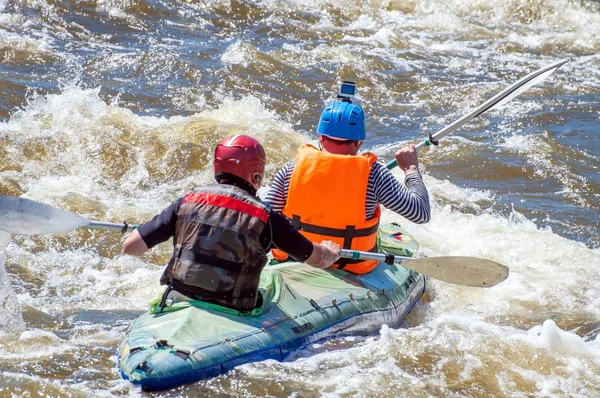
x=467 y=271
x=27 y=217
x=496 y=101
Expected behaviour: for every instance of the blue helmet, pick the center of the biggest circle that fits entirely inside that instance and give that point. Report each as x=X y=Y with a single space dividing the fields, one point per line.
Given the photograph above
x=341 y=119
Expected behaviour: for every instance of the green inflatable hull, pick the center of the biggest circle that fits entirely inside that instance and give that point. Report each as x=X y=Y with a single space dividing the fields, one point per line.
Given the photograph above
x=190 y=341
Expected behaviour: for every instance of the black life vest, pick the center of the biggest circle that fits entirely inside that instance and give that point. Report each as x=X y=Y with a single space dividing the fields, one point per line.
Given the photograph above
x=217 y=254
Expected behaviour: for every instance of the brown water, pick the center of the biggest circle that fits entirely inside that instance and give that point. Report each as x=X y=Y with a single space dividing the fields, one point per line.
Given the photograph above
x=111 y=110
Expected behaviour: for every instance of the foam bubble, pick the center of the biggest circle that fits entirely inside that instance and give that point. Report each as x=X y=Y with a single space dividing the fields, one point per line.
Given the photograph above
x=551 y=337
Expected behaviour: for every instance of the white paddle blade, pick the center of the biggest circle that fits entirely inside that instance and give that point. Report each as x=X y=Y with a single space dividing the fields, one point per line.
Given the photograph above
x=530 y=83
x=495 y=102
x=466 y=271
x=27 y=217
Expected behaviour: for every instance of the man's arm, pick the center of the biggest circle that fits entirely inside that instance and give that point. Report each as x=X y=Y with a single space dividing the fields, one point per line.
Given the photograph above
x=277 y=196
x=410 y=200
x=160 y=229
x=134 y=245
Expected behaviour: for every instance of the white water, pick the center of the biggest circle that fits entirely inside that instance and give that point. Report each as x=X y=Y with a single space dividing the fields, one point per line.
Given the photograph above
x=460 y=334
x=66 y=299
x=11 y=319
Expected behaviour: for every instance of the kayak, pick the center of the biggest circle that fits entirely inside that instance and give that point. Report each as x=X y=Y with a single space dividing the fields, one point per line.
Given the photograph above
x=188 y=341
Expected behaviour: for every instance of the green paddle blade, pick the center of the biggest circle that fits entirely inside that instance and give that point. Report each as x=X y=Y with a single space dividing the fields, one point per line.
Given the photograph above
x=27 y=217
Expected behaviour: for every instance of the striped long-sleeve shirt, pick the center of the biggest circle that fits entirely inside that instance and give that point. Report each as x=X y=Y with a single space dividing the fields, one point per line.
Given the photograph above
x=410 y=200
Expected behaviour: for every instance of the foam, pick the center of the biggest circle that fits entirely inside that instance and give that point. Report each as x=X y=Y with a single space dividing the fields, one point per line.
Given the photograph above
x=11 y=317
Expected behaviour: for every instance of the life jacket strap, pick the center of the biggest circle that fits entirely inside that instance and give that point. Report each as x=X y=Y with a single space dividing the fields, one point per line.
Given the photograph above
x=163 y=300
x=347 y=233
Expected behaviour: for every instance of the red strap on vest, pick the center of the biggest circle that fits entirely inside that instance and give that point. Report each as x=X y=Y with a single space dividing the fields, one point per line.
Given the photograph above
x=228 y=203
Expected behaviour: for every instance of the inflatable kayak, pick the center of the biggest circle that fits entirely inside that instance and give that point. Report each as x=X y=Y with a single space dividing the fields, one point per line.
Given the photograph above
x=188 y=341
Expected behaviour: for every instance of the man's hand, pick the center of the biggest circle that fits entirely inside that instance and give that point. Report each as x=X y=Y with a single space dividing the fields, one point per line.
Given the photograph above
x=407 y=159
x=324 y=254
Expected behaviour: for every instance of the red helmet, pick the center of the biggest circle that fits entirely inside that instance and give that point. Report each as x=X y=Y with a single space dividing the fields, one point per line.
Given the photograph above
x=242 y=156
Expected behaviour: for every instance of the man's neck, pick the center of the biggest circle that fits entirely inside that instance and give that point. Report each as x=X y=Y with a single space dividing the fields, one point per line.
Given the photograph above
x=238 y=182
x=339 y=147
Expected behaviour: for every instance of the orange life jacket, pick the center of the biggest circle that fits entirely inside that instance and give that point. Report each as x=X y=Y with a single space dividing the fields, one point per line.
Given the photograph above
x=326 y=201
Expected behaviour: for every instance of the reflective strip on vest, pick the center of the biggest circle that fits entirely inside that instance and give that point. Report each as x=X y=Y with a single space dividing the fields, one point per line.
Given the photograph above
x=326 y=201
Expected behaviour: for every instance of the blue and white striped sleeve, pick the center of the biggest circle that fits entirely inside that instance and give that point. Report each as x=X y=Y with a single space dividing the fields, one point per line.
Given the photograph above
x=277 y=196
x=410 y=200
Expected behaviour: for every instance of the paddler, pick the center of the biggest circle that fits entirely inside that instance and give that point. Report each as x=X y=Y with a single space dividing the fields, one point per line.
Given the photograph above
x=223 y=232
x=332 y=192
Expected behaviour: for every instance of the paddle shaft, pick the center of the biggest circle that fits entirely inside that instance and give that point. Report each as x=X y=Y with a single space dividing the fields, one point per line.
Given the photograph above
x=121 y=227
x=506 y=95
x=25 y=216
x=383 y=258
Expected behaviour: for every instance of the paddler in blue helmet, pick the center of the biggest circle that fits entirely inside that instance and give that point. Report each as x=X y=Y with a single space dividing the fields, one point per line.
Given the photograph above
x=221 y=233
x=334 y=193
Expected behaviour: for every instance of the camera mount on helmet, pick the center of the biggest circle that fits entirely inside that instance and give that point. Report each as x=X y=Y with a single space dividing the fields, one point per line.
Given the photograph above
x=347 y=92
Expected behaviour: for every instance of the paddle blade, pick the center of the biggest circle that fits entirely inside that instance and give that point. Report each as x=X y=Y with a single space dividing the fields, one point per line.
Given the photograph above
x=27 y=217
x=466 y=271
x=519 y=87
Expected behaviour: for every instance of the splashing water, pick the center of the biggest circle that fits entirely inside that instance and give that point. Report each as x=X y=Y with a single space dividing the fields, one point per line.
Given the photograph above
x=11 y=318
x=111 y=111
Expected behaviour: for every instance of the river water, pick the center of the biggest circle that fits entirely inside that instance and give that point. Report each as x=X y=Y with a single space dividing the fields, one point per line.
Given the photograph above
x=111 y=109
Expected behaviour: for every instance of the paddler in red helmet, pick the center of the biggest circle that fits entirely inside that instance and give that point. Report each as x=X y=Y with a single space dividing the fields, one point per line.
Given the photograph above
x=223 y=232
